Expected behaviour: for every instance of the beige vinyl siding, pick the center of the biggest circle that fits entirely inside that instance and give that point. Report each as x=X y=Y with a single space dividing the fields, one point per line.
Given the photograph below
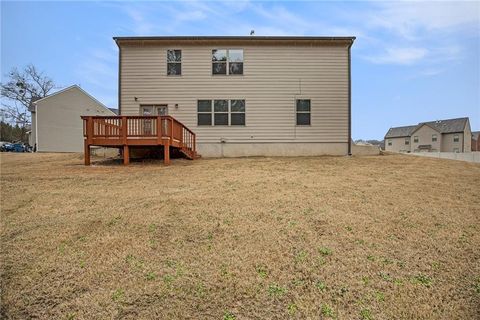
x=274 y=77
x=424 y=134
x=59 y=126
x=448 y=145
x=398 y=144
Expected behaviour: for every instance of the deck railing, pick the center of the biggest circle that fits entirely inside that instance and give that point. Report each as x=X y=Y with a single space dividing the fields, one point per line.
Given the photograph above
x=138 y=130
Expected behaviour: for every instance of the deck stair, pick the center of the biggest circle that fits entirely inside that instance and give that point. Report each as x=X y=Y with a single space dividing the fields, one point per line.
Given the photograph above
x=133 y=131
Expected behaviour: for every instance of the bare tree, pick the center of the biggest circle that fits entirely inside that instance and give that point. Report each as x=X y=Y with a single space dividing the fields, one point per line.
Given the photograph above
x=21 y=89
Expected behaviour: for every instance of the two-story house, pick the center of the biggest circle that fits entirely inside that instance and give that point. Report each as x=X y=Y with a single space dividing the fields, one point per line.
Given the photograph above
x=243 y=96
x=451 y=135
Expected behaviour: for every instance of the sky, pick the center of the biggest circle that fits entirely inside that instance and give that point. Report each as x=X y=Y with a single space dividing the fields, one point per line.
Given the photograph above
x=411 y=62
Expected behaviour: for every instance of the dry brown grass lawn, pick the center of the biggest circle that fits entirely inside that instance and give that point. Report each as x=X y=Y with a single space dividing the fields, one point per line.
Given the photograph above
x=387 y=237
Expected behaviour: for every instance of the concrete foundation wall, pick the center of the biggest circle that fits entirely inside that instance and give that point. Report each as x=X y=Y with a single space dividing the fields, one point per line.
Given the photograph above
x=208 y=150
x=365 y=150
x=469 y=157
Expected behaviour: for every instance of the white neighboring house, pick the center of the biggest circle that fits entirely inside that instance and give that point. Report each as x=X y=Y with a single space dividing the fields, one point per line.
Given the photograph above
x=56 y=122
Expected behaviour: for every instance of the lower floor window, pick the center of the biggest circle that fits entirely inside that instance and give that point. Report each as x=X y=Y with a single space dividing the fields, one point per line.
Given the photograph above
x=303 y=112
x=221 y=112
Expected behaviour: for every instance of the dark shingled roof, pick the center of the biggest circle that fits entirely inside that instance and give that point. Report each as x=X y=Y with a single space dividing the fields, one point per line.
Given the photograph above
x=442 y=126
x=400 y=132
x=447 y=126
x=476 y=134
x=114 y=110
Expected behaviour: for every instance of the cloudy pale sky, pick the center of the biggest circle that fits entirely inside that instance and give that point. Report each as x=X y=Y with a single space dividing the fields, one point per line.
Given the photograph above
x=411 y=62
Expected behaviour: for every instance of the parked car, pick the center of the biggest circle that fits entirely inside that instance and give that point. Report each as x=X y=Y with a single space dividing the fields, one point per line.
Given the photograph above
x=6 y=146
x=14 y=147
x=18 y=147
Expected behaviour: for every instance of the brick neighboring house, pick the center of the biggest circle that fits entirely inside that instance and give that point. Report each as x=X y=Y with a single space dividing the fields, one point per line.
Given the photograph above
x=450 y=135
x=476 y=141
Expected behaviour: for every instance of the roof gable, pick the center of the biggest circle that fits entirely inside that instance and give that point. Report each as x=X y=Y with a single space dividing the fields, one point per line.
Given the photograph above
x=74 y=87
x=448 y=126
x=399 y=132
x=442 y=126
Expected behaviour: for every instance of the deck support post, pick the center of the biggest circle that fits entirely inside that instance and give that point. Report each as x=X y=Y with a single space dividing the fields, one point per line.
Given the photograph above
x=126 y=155
x=86 y=154
x=166 y=153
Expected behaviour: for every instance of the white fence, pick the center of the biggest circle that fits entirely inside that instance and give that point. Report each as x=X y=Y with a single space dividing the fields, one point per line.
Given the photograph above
x=466 y=156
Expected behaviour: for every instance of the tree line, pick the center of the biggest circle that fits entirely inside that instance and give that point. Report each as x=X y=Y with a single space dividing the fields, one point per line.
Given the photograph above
x=19 y=92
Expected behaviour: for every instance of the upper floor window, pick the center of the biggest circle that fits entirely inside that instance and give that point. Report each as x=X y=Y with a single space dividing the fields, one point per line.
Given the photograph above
x=303 y=112
x=389 y=142
x=227 y=61
x=174 y=62
x=456 y=138
x=434 y=137
x=407 y=141
x=415 y=139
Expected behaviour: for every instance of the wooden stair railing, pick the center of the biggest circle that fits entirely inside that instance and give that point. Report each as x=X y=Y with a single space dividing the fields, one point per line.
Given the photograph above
x=126 y=131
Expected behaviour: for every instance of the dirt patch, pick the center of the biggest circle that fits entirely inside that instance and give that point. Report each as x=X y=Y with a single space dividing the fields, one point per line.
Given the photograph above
x=384 y=237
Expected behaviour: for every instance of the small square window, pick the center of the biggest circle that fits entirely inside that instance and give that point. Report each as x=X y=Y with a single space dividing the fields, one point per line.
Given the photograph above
x=238 y=119
x=204 y=106
x=407 y=141
x=389 y=142
x=434 y=137
x=238 y=105
x=204 y=119
x=221 y=119
x=220 y=105
x=415 y=139
x=456 y=138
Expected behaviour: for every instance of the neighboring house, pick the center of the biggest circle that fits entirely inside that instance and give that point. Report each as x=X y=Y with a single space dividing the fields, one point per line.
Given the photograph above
x=56 y=122
x=451 y=135
x=114 y=110
x=476 y=141
x=244 y=96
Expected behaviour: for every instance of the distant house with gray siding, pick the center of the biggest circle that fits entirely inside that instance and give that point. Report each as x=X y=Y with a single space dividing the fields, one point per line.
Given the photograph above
x=243 y=96
x=56 y=122
x=450 y=135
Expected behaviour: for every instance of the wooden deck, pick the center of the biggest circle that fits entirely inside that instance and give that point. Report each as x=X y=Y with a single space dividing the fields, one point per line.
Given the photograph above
x=126 y=131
